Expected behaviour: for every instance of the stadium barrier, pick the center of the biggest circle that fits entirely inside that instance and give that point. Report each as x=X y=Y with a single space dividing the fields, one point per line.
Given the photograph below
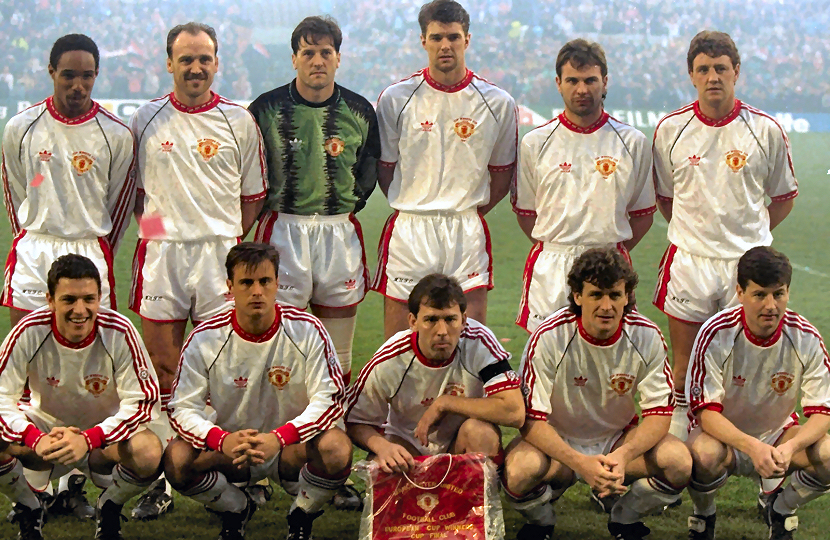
x=641 y=119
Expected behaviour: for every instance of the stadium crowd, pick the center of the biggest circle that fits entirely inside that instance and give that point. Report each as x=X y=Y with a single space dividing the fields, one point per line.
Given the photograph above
x=514 y=44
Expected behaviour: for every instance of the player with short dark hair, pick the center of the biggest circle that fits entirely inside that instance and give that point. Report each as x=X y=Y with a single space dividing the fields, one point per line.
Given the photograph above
x=716 y=161
x=322 y=146
x=581 y=370
x=201 y=185
x=278 y=394
x=584 y=181
x=93 y=392
x=66 y=148
x=749 y=365
x=448 y=154
x=444 y=385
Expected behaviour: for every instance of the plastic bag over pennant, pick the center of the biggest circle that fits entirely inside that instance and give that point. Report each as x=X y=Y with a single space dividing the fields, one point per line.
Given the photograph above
x=444 y=497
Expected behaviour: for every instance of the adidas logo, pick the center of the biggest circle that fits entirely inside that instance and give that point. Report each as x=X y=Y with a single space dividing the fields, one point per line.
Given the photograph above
x=580 y=381
x=565 y=167
x=167 y=147
x=694 y=160
x=44 y=155
x=241 y=382
x=427 y=126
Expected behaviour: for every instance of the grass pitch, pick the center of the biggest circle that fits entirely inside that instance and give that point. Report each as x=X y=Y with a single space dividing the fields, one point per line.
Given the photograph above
x=803 y=237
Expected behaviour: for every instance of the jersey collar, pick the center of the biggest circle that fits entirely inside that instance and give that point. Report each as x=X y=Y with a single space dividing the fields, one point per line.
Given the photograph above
x=50 y=106
x=718 y=123
x=257 y=338
x=300 y=100
x=460 y=85
x=86 y=342
x=426 y=361
x=211 y=103
x=586 y=130
x=598 y=342
x=755 y=340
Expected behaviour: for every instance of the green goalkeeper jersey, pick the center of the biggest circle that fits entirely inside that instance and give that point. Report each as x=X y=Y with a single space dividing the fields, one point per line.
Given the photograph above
x=322 y=157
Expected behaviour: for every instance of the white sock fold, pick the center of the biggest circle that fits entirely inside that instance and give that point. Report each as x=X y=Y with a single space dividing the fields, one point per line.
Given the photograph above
x=534 y=506
x=13 y=484
x=315 y=491
x=125 y=485
x=703 y=495
x=214 y=491
x=803 y=488
x=642 y=498
x=342 y=336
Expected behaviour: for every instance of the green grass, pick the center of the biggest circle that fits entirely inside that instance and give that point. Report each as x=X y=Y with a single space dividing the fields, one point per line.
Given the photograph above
x=803 y=237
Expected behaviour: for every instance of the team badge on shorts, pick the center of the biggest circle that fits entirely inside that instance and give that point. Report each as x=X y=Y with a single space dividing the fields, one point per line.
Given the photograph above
x=96 y=384
x=606 y=165
x=334 y=146
x=427 y=501
x=464 y=128
x=82 y=162
x=454 y=389
x=279 y=376
x=736 y=160
x=621 y=383
x=781 y=382
x=207 y=148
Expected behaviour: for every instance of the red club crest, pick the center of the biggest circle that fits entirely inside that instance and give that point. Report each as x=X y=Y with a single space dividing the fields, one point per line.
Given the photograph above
x=279 y=376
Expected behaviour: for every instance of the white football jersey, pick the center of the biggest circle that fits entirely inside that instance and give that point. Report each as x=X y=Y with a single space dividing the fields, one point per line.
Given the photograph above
x=444 y=140
x=105 y=385
x=70 y=178
x=755 y=383
x=286 y=380
x=398 y=384
x=196 y=165
x=585 y=387
x=717 y=174
x=583 y=184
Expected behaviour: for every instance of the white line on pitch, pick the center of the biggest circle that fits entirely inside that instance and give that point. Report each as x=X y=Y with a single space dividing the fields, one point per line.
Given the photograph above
x=811 y=271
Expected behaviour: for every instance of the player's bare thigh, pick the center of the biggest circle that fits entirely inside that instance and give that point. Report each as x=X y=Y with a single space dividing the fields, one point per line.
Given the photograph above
x=330 y=452
x=711 y=457
x=815 y=458
x=164 y=344
x=525 y=467
x=669 y=459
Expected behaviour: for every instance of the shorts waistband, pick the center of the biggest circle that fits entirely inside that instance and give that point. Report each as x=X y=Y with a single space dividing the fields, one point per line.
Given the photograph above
x=43 y=237
x=313 y=218
x=573 y=249
x=440 y=213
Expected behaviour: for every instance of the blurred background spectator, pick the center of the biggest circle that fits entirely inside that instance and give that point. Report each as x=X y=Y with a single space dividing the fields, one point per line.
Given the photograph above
x=784 y=47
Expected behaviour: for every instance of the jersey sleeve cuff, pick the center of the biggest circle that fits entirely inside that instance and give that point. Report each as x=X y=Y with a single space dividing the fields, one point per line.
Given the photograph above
x=717 y=407
x=659 y=411
x=644 y=212
x=501 y=168
x=215 y=438
x=94 y=437
x=664 y=198
x=32 y=435
x=809 y=411
x=536 y=415
x=785 y=197
x=254 y=198
x=287 y=434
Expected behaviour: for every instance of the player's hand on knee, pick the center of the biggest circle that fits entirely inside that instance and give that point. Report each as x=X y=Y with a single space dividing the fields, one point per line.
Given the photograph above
x=394 y=458
x=236 y=445
x=264 y=447
x=783 y=455
x=764 y=460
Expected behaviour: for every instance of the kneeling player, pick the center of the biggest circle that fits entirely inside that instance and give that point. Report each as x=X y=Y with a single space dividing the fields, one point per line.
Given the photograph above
x=581 y=369
x=277 y=388
x=93 y=390
x=749 y=364
x=444 y=385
